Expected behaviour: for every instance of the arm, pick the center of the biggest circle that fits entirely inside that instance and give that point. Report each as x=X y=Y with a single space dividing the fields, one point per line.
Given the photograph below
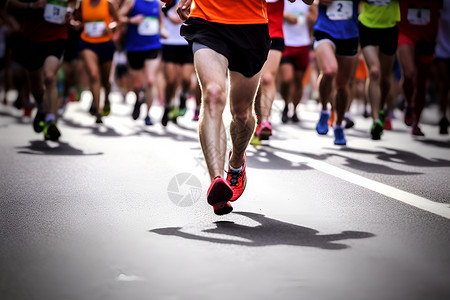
x=125 y=9
x=19 y=5
x=116 y=21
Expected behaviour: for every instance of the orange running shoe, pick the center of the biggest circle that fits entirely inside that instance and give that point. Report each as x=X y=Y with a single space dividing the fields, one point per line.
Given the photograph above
x=237 y=179
x=219 y=195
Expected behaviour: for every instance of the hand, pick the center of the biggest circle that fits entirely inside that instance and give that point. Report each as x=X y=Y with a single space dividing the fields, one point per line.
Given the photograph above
x=76 y=25
x=184 y=9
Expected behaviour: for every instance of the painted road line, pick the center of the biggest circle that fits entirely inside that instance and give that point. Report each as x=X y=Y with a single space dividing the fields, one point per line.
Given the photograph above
x=440 y=209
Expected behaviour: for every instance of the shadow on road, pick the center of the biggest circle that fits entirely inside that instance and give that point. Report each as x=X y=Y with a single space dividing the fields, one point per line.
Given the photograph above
x=270 y=232
x=266 y=158
x=42 y=148
x=98 y=130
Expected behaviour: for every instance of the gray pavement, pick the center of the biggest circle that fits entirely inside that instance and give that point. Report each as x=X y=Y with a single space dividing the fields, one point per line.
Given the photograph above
x=118 y=212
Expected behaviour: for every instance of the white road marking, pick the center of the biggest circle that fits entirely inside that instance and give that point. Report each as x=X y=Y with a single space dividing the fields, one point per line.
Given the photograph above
x=128 y=278
x=440 y=209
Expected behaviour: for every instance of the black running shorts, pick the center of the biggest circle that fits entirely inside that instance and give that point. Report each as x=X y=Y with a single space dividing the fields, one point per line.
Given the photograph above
x=385 y=38
x=177 y=54
x=245 y=46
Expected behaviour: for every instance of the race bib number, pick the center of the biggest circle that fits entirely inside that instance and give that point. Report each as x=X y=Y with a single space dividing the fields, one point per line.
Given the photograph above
x=419 y=15
x=55 y=11
x=148 y=26
x=379 y=2
x=95 y=28
x=340 y=10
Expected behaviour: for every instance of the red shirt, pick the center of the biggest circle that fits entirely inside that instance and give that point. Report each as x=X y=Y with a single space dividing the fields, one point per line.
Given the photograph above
x=36 y=30
x=419 y=19
x=275 y=11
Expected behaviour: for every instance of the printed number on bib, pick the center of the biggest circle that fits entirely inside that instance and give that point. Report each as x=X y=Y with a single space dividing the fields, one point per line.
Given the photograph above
x=95 y=28
x=149 y=26
x=419 y=15
x=340 y=10
x=379 y=2
x=55 y=11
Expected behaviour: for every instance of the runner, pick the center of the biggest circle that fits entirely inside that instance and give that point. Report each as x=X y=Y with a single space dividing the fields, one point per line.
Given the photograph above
x=417 y=39
x=44 y=34
x=178 y=68
x=378 y=34
x=443 y=66
x=143 y=45
x=267 y=88
x=99 y=19
x=298 y=20
x=336 y=46
x=228 y=38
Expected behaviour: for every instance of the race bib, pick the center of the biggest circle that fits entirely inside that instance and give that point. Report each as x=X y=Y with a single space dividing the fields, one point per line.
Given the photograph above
x=379 y=2
x=55 y=11
x=340 y=10
x=94 y=28
x=149 y=26
x=419 y=15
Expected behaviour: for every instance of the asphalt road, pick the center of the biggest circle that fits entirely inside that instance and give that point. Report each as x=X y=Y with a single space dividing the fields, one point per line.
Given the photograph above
x=119 y=212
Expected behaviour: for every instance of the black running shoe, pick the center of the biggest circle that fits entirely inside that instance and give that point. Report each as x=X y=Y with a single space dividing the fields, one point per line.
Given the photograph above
x=443 y=126
x=51 y=132
x=376 y=130
x=165 y=117
x=39 y=121
x=137 y=109
x=182 y=108
x=348 y=123
x=98 y=119
x=295 y=118
x=284 y=115
x=92 y=109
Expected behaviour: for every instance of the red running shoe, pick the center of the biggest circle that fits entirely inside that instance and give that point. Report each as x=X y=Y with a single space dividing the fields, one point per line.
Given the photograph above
x=237 y=180
x=219 y=194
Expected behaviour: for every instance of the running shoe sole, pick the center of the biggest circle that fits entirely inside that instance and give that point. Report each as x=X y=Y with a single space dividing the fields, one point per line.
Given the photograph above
x=219 y=195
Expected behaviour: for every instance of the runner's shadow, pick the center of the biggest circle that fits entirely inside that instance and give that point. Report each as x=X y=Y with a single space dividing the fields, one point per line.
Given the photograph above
x=269 y=232
x=98 y=130
x=42 y=148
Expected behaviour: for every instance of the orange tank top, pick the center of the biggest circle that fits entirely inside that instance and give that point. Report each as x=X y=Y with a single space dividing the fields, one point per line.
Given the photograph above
x=95 y=19
x=230 y=11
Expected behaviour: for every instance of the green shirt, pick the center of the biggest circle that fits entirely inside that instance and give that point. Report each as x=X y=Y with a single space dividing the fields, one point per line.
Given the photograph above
x=380 y=13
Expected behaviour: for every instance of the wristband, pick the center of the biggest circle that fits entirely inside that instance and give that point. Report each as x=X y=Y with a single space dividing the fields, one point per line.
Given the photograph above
x=70 y=10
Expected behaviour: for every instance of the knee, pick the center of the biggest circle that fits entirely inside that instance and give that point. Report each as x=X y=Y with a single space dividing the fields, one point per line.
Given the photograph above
x=374 y=73
x=267 y=79
x=149 y=82
x=214 y=98
x=49 y=78
x=329 y=73
x=94 y=76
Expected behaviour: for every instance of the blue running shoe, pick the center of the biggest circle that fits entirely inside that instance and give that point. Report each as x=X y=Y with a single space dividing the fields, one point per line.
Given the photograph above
x=339 y=137
x=148 y=121
x=322 y=126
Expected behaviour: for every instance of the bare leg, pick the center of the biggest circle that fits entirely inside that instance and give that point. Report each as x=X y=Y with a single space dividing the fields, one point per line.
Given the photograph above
x=242 y=95
x=211 y=68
